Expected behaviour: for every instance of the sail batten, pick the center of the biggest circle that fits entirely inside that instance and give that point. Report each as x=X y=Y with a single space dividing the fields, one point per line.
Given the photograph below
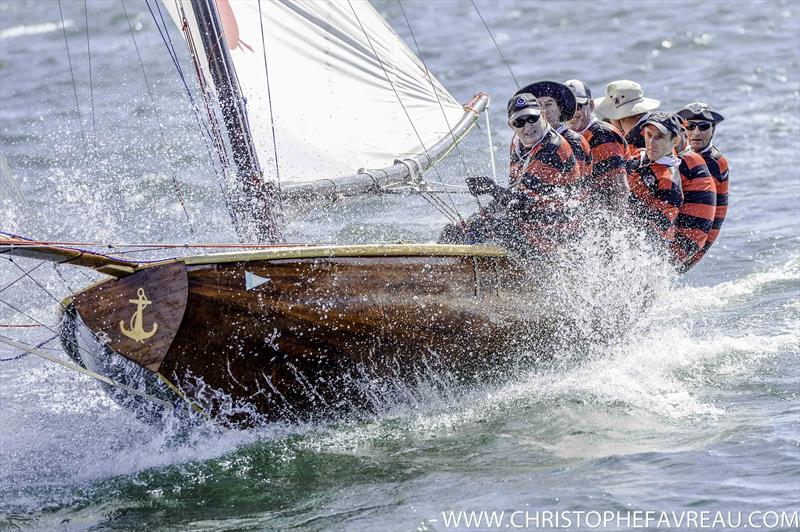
x=345 y=92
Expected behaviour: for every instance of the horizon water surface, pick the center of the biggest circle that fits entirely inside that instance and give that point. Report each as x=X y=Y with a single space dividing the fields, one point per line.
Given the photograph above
x=697 y=409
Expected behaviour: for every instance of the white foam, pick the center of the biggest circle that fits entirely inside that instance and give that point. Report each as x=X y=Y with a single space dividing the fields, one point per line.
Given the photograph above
x=703 y=298
x=33 y=29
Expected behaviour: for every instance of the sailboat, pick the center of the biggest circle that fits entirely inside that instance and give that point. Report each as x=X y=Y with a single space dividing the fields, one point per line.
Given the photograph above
x=305 y=99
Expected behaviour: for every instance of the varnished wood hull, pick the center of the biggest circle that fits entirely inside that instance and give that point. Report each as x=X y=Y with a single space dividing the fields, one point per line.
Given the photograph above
x=319 y=326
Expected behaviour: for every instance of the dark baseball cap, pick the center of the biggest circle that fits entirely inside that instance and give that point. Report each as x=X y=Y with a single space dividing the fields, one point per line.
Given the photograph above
x=523 y=104
x=667 y=123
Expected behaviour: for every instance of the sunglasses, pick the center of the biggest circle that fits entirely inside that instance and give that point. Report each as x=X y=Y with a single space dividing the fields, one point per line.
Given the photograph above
x=704 y=126
x=522 y=120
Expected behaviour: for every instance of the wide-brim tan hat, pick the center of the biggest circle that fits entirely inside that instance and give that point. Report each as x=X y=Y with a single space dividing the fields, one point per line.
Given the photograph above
x=624 y=98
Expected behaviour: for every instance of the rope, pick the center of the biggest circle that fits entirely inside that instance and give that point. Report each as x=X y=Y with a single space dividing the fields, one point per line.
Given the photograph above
x=433 y=87
x=91 y=84
x=214 y=133
x=72 y=73
x=161 y=131
x=408 y=116
x=102 y=378
x=203 y=127
x=25 y=353
x=508 y=66
x=269 y=99
x=439 y=101
x=27 y=274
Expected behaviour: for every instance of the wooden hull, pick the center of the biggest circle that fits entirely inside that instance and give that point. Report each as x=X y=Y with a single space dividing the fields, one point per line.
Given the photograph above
x=303 y=333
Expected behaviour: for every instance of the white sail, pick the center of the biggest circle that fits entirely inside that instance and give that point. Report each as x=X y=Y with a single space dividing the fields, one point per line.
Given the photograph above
x=345 y=91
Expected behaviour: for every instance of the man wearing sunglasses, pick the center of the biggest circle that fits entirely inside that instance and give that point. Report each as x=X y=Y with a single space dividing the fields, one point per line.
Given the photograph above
x=608 y=186
x=559 y=105
x=696 y=215
x=702 y=121
x=537 y=211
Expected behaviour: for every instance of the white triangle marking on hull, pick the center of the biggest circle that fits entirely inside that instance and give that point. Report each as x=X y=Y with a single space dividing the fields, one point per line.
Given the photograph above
x=252 y=280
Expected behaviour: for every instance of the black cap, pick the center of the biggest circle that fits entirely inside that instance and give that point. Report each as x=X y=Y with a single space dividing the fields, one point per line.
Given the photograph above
x=522 y=104
x=700 y=111
x=667 y=123
x=558 y=91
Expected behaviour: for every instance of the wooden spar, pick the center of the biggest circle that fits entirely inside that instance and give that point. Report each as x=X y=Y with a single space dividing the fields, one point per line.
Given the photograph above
x=258 y=201
x=102 y=263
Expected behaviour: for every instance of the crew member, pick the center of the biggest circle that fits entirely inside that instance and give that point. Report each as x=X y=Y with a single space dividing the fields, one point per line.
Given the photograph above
x=702 y=123
x=608 y=186
x=627 y=108
x=696 y=215
x=559 y=104
x=539 y=204
x=654 y=182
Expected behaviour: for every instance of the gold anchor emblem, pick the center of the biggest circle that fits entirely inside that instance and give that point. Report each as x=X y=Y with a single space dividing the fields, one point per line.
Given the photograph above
x=137 y=332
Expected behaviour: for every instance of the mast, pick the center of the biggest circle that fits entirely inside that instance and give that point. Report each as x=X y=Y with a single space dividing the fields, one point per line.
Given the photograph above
x=256 y=202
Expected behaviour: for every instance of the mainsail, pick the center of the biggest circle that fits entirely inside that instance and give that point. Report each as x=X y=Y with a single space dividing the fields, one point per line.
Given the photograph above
x=326 y=89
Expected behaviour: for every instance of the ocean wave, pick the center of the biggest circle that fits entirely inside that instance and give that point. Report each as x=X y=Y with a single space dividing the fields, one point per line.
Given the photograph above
x=701 y=298
x=33 y=29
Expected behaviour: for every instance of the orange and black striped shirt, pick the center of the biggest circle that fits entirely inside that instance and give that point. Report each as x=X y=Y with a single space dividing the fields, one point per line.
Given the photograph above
x=718 y=166
x=581 y=150
x=548 y=174
x=696 y=215
x=655 y=197
x=609 y=151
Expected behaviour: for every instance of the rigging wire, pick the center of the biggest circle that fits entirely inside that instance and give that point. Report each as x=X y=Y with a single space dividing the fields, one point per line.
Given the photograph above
x=269 y=99
x=91 y=84
x=60 y=303
x=153 y=245
x=508 y=66
x=169 y=45
x=442 y=205
x=37 y=283
x=75 y=367
x=161 y=131
x=26 y=353
x=439 y=101
x=15 y=281
x=72 y=74
x=212 y=134
x=433 y=87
